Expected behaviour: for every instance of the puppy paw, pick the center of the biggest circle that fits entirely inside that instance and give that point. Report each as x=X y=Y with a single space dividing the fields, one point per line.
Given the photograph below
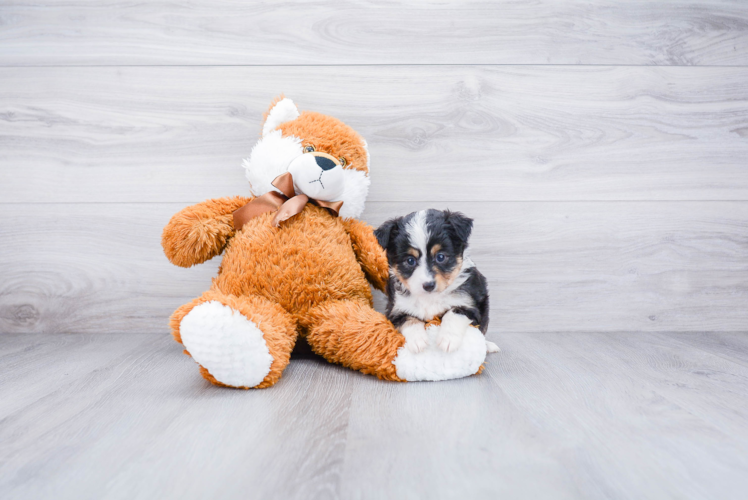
x=416 y=338
x=418 y=343
x=449 y=341
x=452 y=330
x=491 y=347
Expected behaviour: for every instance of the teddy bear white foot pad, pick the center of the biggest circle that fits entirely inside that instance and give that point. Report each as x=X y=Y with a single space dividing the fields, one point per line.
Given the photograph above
x=434 y=364
x=228 y=344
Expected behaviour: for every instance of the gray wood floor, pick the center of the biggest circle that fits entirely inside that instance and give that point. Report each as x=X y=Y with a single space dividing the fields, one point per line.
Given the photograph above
x=601 y=146
x=564 y=415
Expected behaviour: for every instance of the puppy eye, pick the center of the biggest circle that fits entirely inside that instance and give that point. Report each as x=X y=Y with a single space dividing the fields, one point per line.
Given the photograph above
x=309 y=149
x=411 y=261
x=440 y=257
x=343 y=162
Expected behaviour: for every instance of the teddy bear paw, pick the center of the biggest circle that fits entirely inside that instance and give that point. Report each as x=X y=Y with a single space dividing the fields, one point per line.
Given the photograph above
x=434 y=364
x=227 y=344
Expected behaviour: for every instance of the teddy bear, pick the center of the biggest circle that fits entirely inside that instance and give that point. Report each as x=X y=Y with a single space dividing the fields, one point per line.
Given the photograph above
x=296 y=262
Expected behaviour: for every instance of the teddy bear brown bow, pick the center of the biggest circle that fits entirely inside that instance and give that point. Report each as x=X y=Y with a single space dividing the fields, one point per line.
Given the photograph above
x=306 y=276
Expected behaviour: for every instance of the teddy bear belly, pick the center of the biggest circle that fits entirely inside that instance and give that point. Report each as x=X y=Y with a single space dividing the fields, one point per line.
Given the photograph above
x=308 y=261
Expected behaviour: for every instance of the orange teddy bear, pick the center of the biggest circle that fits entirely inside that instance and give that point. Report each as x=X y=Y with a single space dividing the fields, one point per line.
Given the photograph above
x=296 y=261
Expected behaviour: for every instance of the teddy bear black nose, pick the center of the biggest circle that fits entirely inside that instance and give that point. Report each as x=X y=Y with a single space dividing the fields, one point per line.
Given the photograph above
x=324 y=163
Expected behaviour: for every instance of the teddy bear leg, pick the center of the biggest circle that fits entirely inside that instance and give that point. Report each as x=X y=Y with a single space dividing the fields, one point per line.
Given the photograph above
x=356 y=336
x=243 y=342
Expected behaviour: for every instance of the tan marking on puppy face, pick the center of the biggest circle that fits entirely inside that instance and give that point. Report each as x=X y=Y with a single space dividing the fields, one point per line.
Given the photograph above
x=415 y=253
x=400 y=277
x=443 y=280
x=328 y=135
x=435 y=249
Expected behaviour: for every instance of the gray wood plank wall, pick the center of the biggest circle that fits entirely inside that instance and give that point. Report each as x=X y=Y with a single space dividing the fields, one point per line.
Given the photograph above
x=602 y=147
x=333 y=32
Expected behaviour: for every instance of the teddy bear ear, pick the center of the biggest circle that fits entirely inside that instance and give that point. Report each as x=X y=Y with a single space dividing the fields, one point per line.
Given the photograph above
x=281 y=110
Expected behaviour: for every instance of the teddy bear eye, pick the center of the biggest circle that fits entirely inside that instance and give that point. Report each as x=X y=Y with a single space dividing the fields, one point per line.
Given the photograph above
x=343 y=162
x=309 y=149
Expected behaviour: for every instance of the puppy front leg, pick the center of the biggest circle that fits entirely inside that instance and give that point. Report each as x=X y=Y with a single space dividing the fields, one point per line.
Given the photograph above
x=452 y=330
x=414 y=331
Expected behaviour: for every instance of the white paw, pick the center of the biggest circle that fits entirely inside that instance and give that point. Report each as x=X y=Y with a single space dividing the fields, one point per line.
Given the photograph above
x=449 y=341
x=419 y=343
x=228 y=344
x=435 y=364
x=452 y=330
x=491 y=347
x=416 y=338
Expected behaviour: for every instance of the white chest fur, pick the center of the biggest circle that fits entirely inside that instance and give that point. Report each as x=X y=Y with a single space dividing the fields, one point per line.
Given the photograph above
x=428 y=306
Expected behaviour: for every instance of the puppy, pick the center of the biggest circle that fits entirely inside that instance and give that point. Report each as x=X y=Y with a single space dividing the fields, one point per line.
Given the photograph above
x=430 y=277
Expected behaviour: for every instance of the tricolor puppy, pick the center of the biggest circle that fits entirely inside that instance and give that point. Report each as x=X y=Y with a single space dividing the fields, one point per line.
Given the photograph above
x=431 y=276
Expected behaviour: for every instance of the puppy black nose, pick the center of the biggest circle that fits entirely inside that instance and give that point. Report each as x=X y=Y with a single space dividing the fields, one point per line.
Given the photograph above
x=429 y=286
x=324 y=163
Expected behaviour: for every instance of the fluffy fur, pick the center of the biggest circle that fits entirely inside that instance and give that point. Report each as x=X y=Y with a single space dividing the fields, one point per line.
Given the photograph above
x=309 y=277
x=277 y=327
x=283 y=141
x=281 y=110
x=227 y=343
x=434 y=364
x=431 y=277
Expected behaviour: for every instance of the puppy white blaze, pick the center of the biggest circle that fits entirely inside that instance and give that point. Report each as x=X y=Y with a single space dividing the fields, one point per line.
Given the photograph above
x=418 y=236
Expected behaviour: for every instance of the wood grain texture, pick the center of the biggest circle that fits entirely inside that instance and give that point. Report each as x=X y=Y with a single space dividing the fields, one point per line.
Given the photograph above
x=48 y=364
x=446 y=133
x=593 y=415
x=148 y=409
x=302 y=32
x=600 y=146
x=726 y=345
x=628 y=415
x=582 y=266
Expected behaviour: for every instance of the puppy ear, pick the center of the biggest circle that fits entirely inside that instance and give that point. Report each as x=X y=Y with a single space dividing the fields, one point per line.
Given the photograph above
x=282 y=110
x=461 y=226
x=387 y=231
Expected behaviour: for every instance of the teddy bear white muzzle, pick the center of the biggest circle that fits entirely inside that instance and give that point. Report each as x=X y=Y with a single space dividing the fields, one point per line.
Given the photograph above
x=317 y=175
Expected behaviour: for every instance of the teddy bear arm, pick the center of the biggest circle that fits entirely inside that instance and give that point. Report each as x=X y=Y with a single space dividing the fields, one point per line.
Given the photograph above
x=200 y=232
x=370 y=255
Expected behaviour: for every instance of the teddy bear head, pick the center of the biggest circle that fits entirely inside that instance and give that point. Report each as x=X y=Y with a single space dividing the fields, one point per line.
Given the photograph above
x=328 y=160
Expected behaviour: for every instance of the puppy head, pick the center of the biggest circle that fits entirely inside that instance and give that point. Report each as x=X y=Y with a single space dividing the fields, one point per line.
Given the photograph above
x=425 y=249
